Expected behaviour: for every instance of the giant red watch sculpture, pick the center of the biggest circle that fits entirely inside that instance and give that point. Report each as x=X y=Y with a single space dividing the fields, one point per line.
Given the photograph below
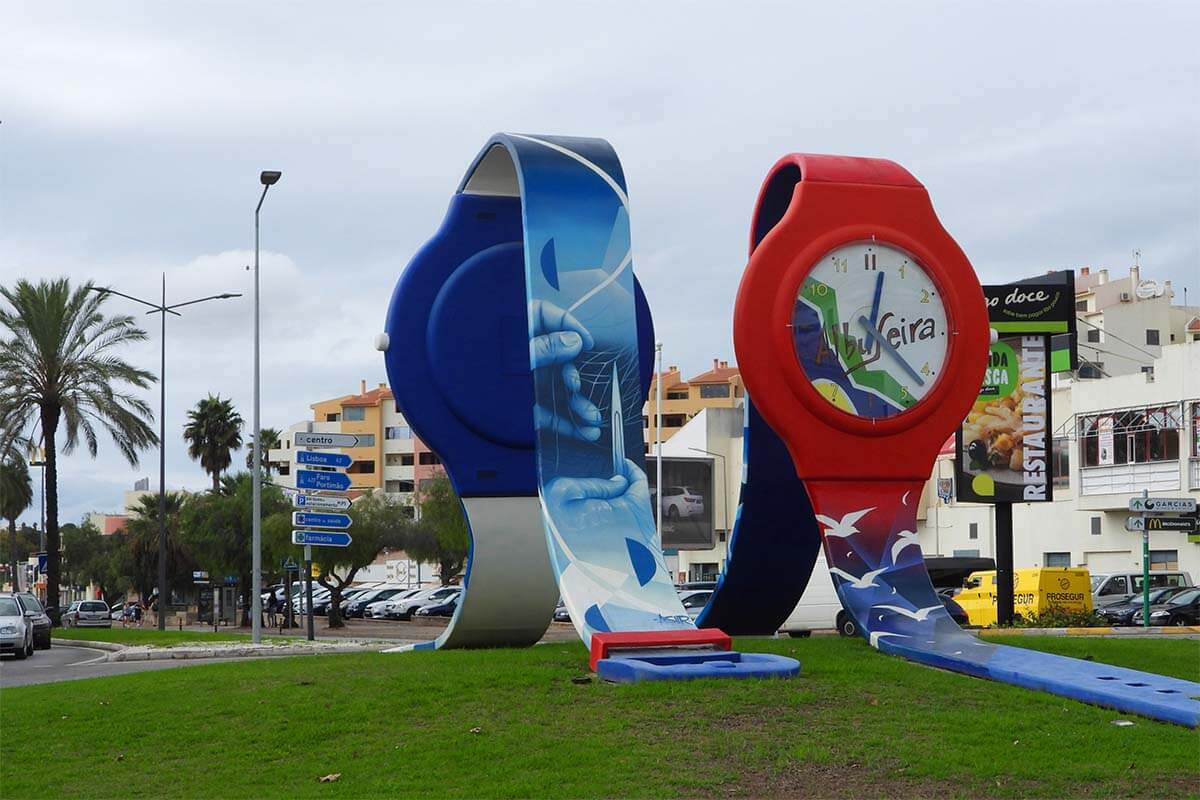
x=862 y=335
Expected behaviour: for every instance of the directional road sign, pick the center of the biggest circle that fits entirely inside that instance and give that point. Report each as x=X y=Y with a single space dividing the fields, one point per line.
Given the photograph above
x=1179 y=524
x=323 y=459
x=301 y=439
x=321 y=502
x=1162 y=505
x=329 y=481
x=309 y=519
x=322 y=538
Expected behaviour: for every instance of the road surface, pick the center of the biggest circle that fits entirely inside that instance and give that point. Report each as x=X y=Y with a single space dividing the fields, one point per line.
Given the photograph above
x=71 y=662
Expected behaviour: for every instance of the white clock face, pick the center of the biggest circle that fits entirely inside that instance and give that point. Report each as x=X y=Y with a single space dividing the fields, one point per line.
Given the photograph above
x=869 y=328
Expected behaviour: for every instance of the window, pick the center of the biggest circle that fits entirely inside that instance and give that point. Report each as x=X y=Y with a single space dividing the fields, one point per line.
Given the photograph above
x=354 y=413
x=425 y=483
x=406 y=459
x=397 y=432
x=1152 y=336
x=674 y=420
x=1096 y=522
x=966 y=554
x=1138 y=436
x=1056 y=559
x=284 y=468
x=1093 y=335
x=1164 y=559
x=428 y=459
x=1148 y=371
x=333 y=417
x=391 y=460
x=1116 y=585
x=1195 y=430
x=1081 y=305
x=398 y=487
x=645 y=421
x=361 y=468
x=1061 y=463
x=366 y=439
x=710 y=390
x=698 y=600
x=1090 y=370
x=974 y=531
x=678 y=394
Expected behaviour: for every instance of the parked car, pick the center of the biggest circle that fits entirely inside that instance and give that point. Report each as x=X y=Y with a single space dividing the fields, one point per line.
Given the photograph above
x=426 y=597
x=1181 y=609
x=87 y=614
x=955 y=611
x=680 y=502
x=1122 y=613
x=358 y=604
x=379 y=609
x=38 y=618
x=694 y=601
x=16 y=630
x=1121 y=587
x=561 y=614
x=443 y=608
x=679 y=587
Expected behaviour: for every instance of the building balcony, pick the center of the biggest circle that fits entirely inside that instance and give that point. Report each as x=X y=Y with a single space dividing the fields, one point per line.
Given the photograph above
x=1109 y=488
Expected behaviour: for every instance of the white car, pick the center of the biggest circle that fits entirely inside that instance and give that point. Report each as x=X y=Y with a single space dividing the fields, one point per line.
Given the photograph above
x=87 y=614
x=694 y=600
x=406 y=608
x=680 y=502
x=16 y=632
x=379 y=608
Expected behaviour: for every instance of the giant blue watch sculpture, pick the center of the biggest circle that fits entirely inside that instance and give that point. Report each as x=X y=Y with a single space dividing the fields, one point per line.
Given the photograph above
x=516 y=347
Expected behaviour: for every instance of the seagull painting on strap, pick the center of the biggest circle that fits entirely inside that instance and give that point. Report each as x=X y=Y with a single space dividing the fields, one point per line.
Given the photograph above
x=877 y=635
x=919 y=615
x=845 y=528
x=865 y=582
x=903 y=540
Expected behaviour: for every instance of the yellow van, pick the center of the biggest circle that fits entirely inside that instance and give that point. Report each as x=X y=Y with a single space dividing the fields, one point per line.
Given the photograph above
x=1035 y=591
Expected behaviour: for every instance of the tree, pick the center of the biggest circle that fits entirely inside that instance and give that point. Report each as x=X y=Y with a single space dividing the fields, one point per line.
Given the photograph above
x=59 y=363
x=16 y=495
x=91 y=557
x=217 y=529
x=213 y=432
x=143 y=531
x=442 y=535
x=378 y=523
x=270 y=441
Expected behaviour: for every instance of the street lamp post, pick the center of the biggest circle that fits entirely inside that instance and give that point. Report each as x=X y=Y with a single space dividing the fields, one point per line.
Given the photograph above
x=267 y=178
x=164 y=309
x=658 y=492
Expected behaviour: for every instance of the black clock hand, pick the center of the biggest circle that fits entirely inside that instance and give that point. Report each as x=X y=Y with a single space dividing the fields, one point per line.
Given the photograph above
x=891 y=348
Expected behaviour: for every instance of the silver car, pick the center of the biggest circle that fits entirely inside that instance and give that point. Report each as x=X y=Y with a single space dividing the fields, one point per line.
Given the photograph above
x=16 y=631
x=87 y=614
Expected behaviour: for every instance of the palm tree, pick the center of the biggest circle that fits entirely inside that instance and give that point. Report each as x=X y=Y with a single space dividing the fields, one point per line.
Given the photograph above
x=143 y=531
x=270 y=441
x=16 y=495
x=59 y=364
x=213 y=432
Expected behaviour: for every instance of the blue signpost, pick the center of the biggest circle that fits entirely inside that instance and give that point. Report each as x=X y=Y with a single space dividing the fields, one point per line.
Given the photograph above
x=309 y=519
x=323 y=459
x=322 y=538
x=328 y=481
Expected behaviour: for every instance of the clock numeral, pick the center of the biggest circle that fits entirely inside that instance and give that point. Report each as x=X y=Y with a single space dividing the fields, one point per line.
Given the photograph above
x=924 y=296
x=816 y=288
x=841 y=264
x=925 y=370
x=869 y=261
x=904 y=395
x=901 y=270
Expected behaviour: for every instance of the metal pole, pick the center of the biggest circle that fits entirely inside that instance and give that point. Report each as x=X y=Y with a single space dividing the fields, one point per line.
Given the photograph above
x=256 y=473
x=1145 y=565
x=308 y=588
x=163 y=593
x=658 y=443
x=1004 y=564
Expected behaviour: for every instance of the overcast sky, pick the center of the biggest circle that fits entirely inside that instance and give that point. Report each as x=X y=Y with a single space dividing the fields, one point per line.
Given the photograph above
x=1050 y=135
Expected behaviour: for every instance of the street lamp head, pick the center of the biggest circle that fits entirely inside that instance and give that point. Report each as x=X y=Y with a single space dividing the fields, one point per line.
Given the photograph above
x=228 y=295
x=269 y=177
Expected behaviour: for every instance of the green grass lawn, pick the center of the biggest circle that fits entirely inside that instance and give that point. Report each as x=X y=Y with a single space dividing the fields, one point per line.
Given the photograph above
x=147 y=636
x=855 y=724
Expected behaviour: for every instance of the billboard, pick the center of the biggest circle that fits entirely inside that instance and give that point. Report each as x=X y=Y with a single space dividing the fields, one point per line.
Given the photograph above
x=1003 y=445
x=688 y=502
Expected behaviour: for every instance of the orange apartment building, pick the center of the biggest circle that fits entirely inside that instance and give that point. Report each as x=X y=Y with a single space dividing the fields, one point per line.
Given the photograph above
x=719 y=387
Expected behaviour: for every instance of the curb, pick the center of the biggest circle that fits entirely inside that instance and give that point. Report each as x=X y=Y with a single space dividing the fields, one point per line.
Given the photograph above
x=120 y=652
x=1111 y=631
